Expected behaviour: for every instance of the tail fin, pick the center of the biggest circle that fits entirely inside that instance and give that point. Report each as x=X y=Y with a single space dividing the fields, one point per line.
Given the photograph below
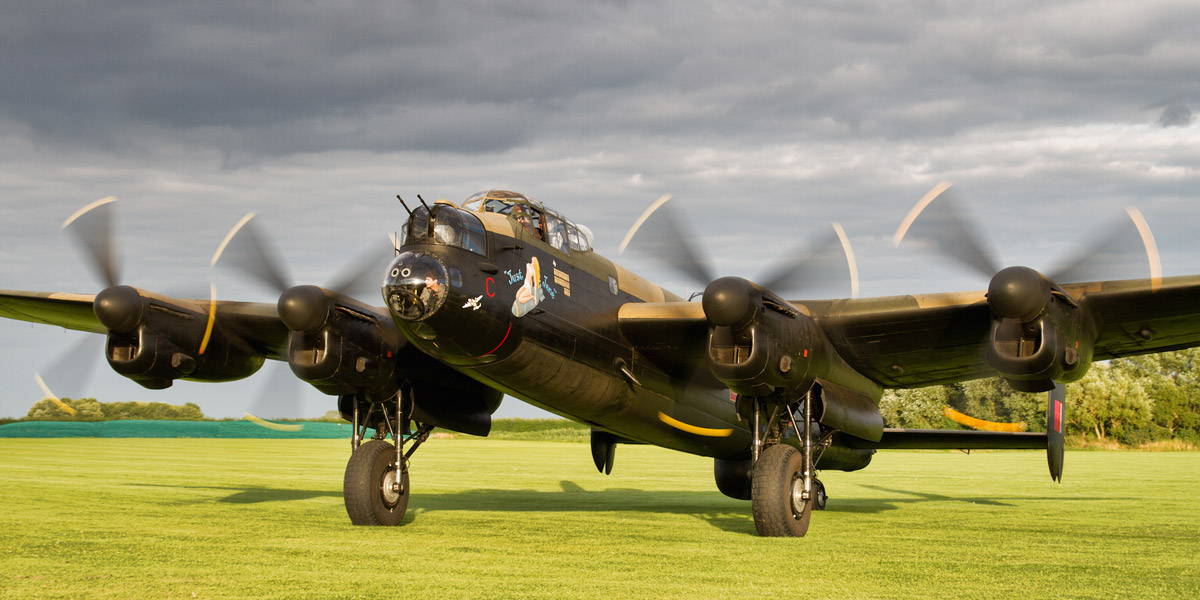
x=1056 y=416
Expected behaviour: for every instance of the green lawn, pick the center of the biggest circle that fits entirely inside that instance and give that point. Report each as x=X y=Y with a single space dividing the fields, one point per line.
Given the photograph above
x=208 y=518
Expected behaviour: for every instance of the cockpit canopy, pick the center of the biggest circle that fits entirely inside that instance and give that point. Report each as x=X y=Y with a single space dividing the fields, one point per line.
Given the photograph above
x=539 y=221
x=450 y=225
x=447 y=225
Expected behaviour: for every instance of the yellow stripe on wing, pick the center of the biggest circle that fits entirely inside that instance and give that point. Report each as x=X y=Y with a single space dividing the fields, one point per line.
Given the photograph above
x=680 y=425
x=980 y=424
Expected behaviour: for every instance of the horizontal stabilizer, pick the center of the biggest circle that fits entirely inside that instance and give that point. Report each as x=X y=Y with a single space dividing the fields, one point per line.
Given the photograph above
x=949 y=439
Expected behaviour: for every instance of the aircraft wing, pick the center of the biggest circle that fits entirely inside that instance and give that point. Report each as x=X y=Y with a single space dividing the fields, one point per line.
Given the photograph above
x=934 y=339
x=72 y=311
x=256 y=324
x=914 y=341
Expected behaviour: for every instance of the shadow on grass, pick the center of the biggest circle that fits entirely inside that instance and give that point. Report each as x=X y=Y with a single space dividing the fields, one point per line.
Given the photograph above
x=254 y=495
x=712 y=507
x=717 y=510
x=878 y=505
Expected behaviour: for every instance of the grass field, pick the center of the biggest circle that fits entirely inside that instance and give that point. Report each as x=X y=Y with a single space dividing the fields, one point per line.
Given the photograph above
x=187 y=518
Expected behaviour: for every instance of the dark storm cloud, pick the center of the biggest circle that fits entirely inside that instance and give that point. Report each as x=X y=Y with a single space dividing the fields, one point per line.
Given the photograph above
x=1175 y=115
x=310 y=78
x=271 y=79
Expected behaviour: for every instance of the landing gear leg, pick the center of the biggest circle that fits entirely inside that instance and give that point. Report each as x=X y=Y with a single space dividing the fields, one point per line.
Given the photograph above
x=784 y=487
x=376 y=488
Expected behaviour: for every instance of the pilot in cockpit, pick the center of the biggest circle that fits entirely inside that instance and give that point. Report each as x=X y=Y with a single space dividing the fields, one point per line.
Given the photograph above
x=523 y=216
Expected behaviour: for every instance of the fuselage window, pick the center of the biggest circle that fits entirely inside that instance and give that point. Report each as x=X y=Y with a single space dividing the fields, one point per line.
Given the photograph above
x=474 y=238
x=497 y=206
x=556 y=233
x=577 y=239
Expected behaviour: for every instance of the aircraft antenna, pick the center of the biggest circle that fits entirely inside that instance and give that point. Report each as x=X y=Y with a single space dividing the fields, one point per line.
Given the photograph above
x=406 y=209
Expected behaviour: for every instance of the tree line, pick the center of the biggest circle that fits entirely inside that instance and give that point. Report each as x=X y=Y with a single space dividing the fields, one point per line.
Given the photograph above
x=1132 y=401
x=90 y=409
x=1129 y=400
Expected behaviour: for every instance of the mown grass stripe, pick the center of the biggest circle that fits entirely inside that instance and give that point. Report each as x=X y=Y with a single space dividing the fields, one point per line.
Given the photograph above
x=263 y=518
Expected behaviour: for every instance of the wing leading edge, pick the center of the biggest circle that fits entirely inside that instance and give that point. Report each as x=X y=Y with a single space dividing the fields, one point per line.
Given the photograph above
x=915 y=341
x=255 y=324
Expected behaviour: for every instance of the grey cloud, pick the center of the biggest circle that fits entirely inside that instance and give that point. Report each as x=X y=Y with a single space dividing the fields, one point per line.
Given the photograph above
x=251 y=79
x=1175 y=115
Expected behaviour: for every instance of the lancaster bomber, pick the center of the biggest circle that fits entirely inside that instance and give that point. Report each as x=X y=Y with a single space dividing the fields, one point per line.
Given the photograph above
x=501 y=294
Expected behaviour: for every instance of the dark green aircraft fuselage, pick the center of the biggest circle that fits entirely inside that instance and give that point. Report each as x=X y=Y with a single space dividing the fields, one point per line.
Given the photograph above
x=539 y=320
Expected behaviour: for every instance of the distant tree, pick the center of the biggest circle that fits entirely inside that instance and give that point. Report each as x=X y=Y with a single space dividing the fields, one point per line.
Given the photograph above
x=190 y=411
x=917 y=408
x=1110 y=403
x=1172 y=379
x=47 y=409
x=89 y=409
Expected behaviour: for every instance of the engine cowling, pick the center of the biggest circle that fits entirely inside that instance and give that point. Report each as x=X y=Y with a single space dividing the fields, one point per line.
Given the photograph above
x=1039 y=335
x=758 y=344
x=155 y=340
x=762 y=346
x=337 y=344
x=344 y=348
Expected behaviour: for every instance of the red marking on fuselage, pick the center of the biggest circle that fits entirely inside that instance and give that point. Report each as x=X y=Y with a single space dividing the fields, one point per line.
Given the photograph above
x=493 y=351
x=487 y=288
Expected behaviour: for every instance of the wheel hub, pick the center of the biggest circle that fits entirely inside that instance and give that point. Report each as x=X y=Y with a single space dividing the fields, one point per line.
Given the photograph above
x=390 y=488
x=799 y=502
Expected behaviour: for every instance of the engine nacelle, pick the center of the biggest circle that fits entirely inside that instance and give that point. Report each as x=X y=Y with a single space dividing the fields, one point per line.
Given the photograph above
x=154 y=340
x=1039 y=334
x=344 y=348
x=759 y=343
x=337 y=344
x=762 y=346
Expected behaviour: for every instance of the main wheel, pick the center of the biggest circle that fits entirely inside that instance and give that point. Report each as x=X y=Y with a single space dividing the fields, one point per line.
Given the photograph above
x=369 y=488
x=778 y=492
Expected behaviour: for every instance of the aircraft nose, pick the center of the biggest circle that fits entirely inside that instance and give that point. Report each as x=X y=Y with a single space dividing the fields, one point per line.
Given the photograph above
x=416 y=286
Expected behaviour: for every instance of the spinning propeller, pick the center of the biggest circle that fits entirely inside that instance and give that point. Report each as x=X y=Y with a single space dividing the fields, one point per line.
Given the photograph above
x=304 y=309
x=828 y=257
x=1021 y=292
x=118 y=307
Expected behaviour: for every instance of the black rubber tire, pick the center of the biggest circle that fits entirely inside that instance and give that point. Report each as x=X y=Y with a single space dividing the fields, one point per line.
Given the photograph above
x=363 y=488
x=819 y=496
x=779 y=469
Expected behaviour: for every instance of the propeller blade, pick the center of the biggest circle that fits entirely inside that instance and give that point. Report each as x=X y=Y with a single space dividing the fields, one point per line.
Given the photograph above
x=68 y=376
x=280 y=398
x=364 y=273
x=830 y=259
x=92 y=226
x=943 y=224
x=247 y=250
x=1117 y=249
x=663 y=237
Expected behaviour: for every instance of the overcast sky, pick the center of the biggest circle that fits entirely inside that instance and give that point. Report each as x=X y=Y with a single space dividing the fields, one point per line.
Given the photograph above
x=766 y=121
